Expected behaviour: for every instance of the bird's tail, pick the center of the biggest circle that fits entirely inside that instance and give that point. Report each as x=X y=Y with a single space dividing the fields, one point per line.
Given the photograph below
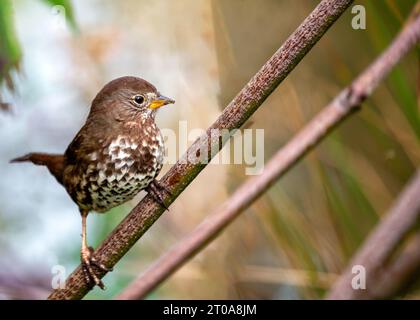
x=54 y=162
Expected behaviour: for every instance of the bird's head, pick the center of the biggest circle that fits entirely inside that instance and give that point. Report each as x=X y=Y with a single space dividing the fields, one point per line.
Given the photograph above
x=129 y=98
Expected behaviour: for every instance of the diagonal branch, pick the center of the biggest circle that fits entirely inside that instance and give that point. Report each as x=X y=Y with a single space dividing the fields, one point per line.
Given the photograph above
x=333 y=114
x=234 y=116
x=375 y=253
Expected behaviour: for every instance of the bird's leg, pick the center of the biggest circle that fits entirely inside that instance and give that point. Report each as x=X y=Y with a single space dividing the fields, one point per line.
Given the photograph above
x=87 y=258
x=156 y=190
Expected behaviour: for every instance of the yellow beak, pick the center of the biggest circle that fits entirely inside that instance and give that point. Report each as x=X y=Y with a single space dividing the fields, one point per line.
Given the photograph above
x=160 y=101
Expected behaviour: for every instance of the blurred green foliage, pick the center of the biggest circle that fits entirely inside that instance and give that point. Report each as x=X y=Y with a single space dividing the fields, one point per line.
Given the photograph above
x=385 y=22
x=10 y=48
x=323 y=209
x=68 y=10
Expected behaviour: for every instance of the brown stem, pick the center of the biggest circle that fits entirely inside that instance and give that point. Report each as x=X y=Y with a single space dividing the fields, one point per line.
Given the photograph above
x=379 y=247
x=333 y=114
x=248 y=100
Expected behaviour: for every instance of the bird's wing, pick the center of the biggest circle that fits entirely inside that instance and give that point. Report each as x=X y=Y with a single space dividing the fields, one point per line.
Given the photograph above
x=80 y=149
x=92 y=137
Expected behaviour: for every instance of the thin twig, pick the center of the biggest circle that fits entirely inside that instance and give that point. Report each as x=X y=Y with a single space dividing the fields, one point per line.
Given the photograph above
x=234 y=116
x=399 y=275
x=333 y=114
x=379 y=247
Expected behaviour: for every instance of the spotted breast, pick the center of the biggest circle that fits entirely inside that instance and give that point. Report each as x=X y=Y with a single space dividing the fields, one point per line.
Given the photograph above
x=124 y=165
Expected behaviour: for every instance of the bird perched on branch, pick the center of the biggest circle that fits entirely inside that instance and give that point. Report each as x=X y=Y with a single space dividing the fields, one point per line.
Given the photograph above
x=116 y=154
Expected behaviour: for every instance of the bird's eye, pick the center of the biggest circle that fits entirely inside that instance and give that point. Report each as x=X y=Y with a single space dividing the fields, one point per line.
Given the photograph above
x=139 y=99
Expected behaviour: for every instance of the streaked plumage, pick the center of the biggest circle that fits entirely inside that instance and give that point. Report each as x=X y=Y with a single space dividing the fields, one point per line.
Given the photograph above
x=116 y=154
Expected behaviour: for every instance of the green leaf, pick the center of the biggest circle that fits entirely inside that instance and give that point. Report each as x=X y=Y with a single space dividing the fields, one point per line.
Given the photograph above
x=68 y=10
x=385 y=25
x=10 y=50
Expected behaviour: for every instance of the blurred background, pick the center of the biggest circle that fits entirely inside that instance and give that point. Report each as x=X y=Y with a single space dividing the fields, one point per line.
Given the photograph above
x=294 y=241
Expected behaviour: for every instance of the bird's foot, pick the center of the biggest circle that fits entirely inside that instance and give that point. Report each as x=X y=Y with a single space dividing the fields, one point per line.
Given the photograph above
x=88 y=262
x=156 y=190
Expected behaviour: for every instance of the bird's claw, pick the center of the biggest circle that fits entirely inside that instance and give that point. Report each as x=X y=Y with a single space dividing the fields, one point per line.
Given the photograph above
x=156 y=190
x=89 y=261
